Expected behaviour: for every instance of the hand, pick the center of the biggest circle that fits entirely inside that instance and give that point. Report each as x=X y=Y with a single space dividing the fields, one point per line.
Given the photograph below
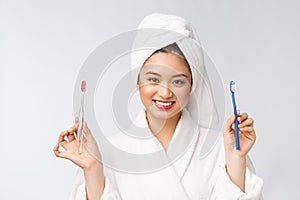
x=246 y=134
x=89 y=159
x=236 y=159
x=89 y=155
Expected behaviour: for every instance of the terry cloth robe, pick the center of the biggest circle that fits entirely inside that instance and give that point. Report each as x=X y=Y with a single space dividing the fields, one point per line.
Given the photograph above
x=190 y=177
x=198 y=171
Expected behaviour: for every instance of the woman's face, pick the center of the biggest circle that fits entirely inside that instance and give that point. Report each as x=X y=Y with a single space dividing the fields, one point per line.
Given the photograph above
x=165 y=85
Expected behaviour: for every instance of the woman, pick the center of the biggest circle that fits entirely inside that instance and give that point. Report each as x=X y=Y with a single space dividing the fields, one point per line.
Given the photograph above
x=173 y=88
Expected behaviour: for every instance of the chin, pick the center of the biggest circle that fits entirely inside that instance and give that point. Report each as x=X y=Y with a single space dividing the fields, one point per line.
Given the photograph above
x=162 y=114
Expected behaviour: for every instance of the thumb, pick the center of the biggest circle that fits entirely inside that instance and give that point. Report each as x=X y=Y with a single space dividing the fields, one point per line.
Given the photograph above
x=86 y=130
x=229 y=123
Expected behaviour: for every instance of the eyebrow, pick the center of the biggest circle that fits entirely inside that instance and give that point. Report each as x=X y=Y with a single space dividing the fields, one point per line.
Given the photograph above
x=174 y=76
x=178 y=75
x=153 y=73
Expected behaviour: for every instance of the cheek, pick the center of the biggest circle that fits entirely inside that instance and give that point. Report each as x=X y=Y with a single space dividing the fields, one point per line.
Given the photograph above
x=146 y=92
x=182 y=95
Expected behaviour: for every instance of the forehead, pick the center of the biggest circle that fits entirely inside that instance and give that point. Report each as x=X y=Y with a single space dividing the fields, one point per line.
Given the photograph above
x=166 y=63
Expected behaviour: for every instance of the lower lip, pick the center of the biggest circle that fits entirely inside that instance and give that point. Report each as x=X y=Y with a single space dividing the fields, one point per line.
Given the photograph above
x=164 y=107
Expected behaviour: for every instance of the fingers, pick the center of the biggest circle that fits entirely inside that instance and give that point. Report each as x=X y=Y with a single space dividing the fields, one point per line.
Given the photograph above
x=248 y=129
x=76 y=120
x=68 y=133
x=72 y=131
x=242 y=117
x=58 y=153
x=61 y=141
x=64 y=144
x=247 y=123
x=243 y=120
x=62 y=135
x=55 y=150
x=71 y=137
x=64 y=139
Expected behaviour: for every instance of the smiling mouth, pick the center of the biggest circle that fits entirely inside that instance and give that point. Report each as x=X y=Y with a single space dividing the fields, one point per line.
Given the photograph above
x=165 y=105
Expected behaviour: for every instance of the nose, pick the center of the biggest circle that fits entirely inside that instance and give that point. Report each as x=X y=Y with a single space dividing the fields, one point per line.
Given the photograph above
x=165 y=92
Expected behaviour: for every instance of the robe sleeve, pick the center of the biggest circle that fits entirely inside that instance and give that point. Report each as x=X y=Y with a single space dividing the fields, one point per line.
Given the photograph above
x=225 y=189
x=79 y=192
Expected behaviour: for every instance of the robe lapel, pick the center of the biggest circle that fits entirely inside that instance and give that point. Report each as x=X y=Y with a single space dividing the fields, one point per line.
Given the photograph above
x=164 y=183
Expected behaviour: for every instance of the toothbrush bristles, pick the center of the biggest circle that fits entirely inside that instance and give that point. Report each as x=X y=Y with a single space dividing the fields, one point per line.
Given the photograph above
x=232 y=86
x=83 y=86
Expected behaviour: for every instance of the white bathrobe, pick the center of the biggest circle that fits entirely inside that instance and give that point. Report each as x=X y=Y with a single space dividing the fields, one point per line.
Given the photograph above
x=199 y=171
x=191 y=177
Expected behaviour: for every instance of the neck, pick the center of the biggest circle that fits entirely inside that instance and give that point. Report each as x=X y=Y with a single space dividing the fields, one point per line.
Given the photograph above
x=163 y=129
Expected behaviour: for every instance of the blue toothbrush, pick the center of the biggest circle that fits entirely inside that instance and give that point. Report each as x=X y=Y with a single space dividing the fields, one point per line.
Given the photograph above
x=236 y=129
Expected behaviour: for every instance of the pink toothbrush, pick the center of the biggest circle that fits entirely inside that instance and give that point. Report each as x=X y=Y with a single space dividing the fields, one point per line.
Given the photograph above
x=80 y=132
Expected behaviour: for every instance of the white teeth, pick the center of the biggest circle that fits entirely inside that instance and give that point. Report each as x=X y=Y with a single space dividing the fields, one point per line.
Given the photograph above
x=163 y=103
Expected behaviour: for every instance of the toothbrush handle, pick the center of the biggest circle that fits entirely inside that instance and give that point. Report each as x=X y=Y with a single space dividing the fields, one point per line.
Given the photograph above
x=236 y=129
x=80 y=130
x=236 y=134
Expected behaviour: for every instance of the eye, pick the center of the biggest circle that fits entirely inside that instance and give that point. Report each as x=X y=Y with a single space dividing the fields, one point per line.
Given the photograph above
x=178 y=82
x=153 y=80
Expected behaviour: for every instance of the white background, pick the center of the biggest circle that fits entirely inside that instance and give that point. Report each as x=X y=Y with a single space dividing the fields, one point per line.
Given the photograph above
x=44 y=43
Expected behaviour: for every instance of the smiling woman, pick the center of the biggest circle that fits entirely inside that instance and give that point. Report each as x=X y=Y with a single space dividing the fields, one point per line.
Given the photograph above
x=164 y=85
x=178 y=111
x=165 y=77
